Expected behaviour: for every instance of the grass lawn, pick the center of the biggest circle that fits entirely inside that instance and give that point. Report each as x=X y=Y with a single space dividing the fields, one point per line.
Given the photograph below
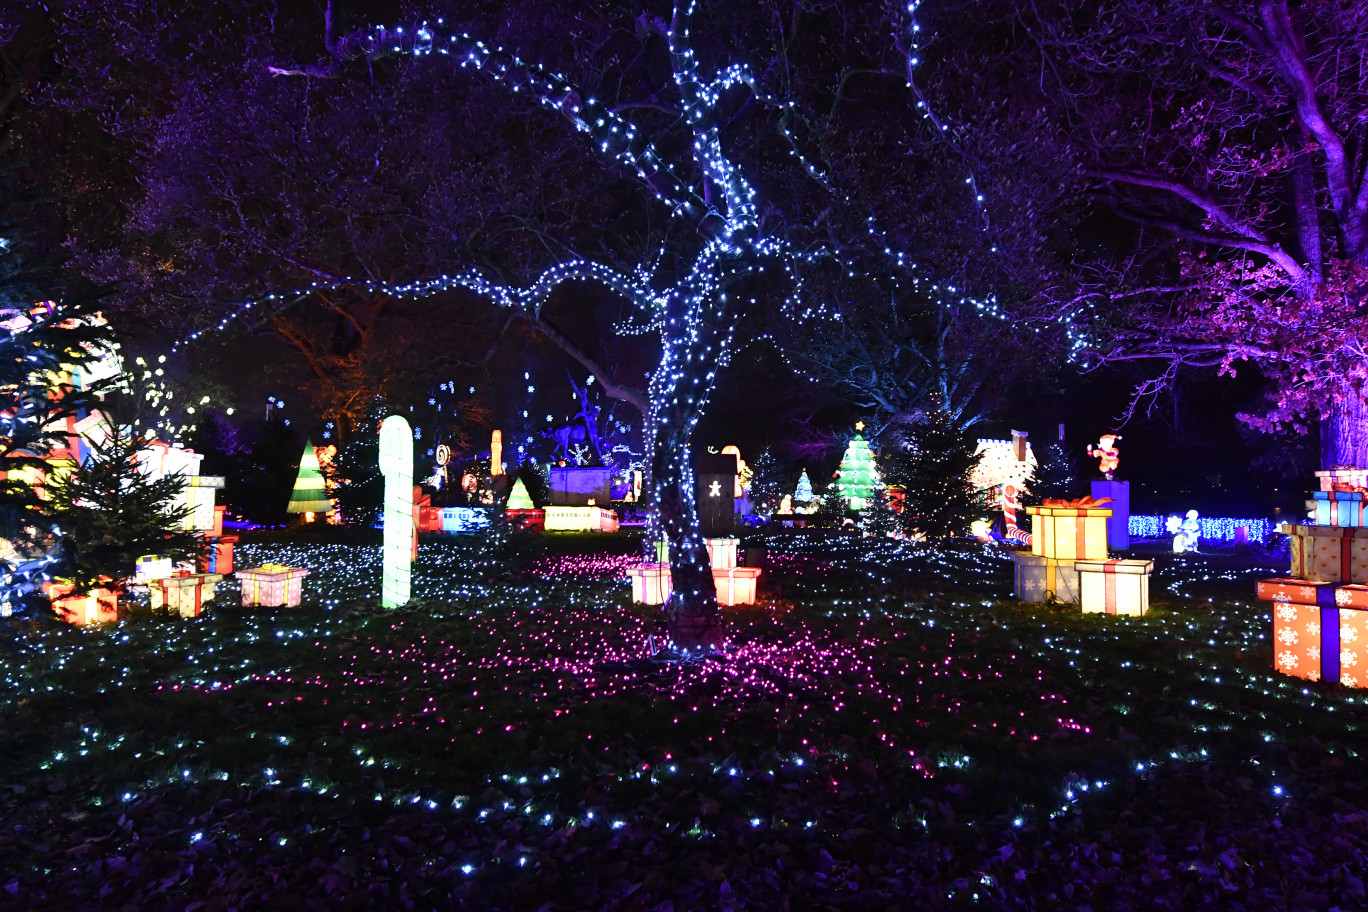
x=888 y=730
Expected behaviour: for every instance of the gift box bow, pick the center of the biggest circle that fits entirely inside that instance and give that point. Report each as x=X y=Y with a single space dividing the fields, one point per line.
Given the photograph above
x=1080 y=503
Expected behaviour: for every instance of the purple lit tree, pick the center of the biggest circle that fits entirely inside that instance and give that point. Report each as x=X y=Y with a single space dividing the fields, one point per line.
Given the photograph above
x=1222 y=145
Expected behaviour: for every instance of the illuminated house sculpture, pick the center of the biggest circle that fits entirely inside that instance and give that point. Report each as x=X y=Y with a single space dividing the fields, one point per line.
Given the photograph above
x=1320 y=630
x=857 y=476
x=1002 y=470
x=735 y=585
x=309 y=495
x=272 y=585
x=1114 y=586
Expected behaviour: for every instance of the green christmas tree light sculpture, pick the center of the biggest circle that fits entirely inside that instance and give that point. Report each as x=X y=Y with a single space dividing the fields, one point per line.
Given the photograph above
x=309 y=495
x=857 y=476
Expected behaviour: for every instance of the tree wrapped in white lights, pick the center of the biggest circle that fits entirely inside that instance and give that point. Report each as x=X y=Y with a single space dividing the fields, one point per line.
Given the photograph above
x=693 y=311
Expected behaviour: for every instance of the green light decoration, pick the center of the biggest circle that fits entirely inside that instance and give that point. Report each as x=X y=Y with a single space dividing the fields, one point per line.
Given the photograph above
x=518 y=498
x=396 y=465
x=309 y=494
x=857 y=476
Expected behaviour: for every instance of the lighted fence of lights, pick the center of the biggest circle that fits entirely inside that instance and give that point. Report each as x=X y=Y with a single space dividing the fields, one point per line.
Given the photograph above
x=1213 y=528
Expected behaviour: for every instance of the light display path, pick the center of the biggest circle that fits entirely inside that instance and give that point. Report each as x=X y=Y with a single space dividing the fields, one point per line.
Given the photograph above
x=886 y=729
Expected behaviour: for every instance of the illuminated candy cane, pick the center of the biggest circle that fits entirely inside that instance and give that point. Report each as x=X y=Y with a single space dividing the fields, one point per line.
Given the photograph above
x=396 y=464
x=1010 y=504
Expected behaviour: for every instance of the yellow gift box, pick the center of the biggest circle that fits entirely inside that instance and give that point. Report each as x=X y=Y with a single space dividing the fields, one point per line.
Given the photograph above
x=1069 y=533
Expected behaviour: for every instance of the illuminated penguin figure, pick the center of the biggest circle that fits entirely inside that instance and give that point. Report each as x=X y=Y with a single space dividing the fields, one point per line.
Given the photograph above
x=396 y=554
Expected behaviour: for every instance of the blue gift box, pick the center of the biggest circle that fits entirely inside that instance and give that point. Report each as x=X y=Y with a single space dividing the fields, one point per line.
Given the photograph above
x=1339 y=508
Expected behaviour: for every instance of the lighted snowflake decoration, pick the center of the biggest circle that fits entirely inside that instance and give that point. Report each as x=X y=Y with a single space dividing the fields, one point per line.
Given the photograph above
x=1314 y=653
x=1349 y=680
x=1313 y=629
x=1287 y=659
x=1349 y=634
x=1288 y=636
x=1342 y=597
x=1348 y=657
x=1287 y=612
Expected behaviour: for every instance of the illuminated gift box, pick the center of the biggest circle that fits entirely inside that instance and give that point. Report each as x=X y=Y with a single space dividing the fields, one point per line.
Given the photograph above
x=1069 y=533
x=1040 y=579
x=272 y=586
x=721 y=551
x=429 y=519
x=1357 y=478
x=151 y=567
x=185 y=595
x=1114 y=586
x=580 y=519
x=217 y=530
x=722 y=555
x=199 y=494
x=99 y=606
x=161 y=459
x=218 y=558
x=463 y=519
x=1338 y=508
x=1328 y=552
x=1321 y=644
x=735 y=585
x=650 y=584
x=531 y=519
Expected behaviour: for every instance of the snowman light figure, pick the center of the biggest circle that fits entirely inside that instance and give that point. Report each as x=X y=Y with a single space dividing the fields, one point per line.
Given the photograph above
x=1106 y=452
x=1185 y=532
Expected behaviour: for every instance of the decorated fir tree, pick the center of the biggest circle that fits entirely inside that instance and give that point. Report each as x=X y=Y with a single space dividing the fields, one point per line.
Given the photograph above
x=357 y=483
x=1055 y=476
x=111 y=513
x=934 y=466
x=857 y=475
x=878 y=519
x=830 y=511
x=310 y=492
x=766 y=484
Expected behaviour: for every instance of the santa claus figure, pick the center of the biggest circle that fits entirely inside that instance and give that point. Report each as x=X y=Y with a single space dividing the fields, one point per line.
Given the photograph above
x=1107 y=454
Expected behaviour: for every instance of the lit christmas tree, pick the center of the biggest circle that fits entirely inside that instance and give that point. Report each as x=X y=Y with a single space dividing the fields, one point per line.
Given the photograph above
x=310 y=494
x=804 y=493
x=518 y=498
x=934 y=466
x=857 y=476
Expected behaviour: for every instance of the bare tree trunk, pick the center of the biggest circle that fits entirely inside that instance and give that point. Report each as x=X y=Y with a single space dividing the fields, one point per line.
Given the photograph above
x=1344 y=432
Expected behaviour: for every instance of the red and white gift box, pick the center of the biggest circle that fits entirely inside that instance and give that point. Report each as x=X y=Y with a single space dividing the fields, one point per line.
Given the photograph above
x=272 y=587
x=722 y=553
x=1339 y=508
x=185 y=594
x=218 y=556
x=1329 y=553
x=1357 y=478
x=1114 y=586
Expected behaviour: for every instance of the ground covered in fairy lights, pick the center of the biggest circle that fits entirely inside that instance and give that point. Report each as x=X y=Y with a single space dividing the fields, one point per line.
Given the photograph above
x=888 y=730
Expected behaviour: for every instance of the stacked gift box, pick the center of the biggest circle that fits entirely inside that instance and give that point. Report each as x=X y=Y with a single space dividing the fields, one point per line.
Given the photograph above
x=1320 y=612
x=651 y=583
x=1068 y=561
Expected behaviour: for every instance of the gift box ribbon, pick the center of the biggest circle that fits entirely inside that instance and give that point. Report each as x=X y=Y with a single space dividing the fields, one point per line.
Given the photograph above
x=1079 y=504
